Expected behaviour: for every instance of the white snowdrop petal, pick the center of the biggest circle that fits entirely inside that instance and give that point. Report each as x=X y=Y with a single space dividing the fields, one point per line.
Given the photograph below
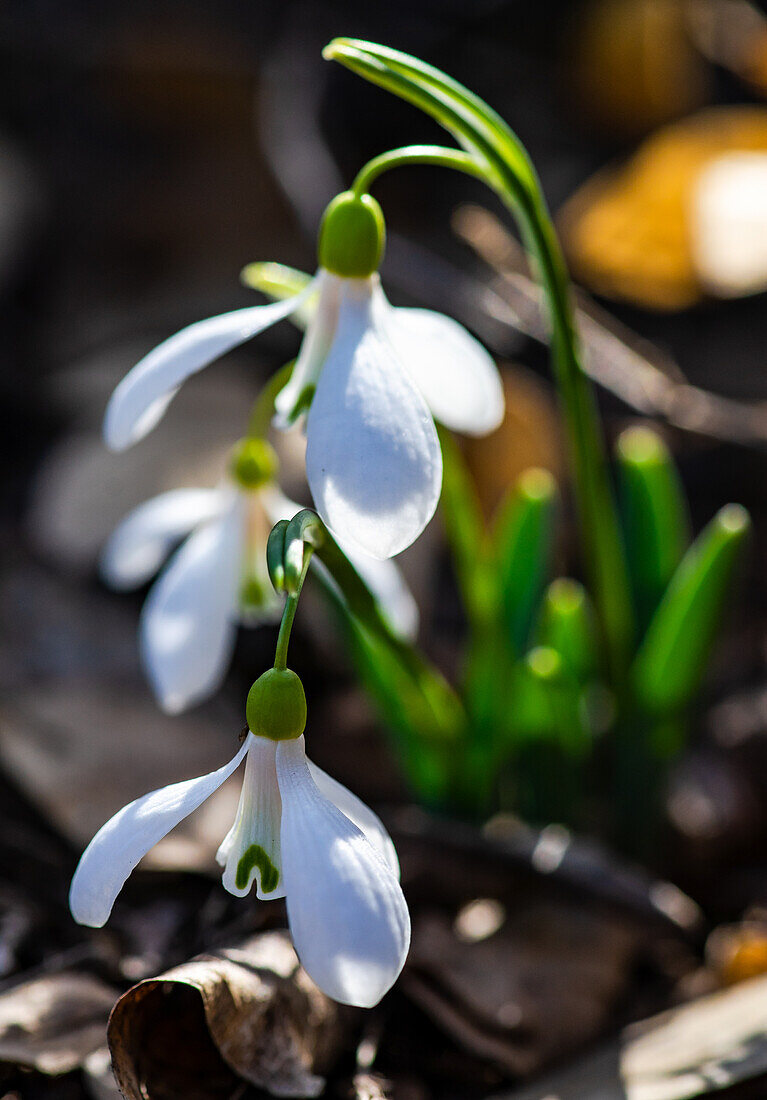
x=140 y=400
x=316 y=344
x=358 y=813
x=140 y=543
x=251 y=849
x=456 y=375
x=373 y=459
x=347 y=913
x=188 y=623
x=119 y=845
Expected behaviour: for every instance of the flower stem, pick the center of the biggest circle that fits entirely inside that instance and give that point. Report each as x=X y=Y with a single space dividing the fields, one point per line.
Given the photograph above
x=439 y=155
x=288 y=615
x=289 y=551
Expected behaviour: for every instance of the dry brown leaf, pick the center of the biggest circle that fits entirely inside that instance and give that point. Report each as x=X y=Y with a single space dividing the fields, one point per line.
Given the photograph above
x=542 y=981
x=626 y=232
x=713 y=1044
x=84 y=749
x=51 y=1024
x=704 y=1046
x=249 y=1012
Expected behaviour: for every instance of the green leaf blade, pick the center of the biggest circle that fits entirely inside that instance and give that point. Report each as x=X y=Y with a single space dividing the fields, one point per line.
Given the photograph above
x=567 y=625
x=465 y=531
x=523 y=549
x=673 y=657
x=655 y=517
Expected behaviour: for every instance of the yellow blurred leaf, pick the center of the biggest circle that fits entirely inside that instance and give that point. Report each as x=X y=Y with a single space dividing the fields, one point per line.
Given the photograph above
x=628 y=232
x=738 y=951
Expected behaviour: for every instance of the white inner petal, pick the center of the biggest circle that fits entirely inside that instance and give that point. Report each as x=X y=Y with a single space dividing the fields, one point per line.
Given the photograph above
x=250 y=852
x=295 y=398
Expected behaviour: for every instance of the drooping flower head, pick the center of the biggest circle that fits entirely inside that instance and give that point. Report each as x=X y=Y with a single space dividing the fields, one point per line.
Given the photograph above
x=217 y=578
x=297 y=834
x=369 y=378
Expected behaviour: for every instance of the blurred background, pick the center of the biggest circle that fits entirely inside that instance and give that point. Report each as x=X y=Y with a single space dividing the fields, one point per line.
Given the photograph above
x=147 y=153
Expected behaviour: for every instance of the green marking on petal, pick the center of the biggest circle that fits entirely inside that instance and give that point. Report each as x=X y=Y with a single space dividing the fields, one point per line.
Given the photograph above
x=252 y=594
x=256 y=857
x=303 y=402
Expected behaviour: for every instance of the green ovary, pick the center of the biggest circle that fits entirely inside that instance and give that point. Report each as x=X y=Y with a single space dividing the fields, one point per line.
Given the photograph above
x=252 y=593
x=255 y=856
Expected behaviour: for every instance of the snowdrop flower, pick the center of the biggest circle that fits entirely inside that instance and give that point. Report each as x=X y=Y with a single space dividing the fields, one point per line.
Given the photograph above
x=218 y=577
x=370 y=379
x=298 y=834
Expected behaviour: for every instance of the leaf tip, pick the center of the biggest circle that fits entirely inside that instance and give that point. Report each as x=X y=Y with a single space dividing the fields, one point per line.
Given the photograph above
x=734 y=519
x=537 y=484
x=544 y=663
x=336 y=48
x=641 y=446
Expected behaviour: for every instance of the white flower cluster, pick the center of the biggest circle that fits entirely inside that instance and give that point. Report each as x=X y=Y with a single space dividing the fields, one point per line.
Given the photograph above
x=368 y=381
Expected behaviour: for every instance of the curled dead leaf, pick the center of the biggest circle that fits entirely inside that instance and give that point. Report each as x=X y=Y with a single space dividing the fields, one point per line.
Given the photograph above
x=247 y=1012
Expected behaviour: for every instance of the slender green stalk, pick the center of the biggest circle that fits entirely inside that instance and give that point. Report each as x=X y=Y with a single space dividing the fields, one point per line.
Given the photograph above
x=288 y=615
x=288 y=553
x=438 y=155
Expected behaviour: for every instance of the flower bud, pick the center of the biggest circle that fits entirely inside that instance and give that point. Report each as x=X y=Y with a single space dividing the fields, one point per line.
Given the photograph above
x=352 y=236
x=276 y=706
x=254 y=463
